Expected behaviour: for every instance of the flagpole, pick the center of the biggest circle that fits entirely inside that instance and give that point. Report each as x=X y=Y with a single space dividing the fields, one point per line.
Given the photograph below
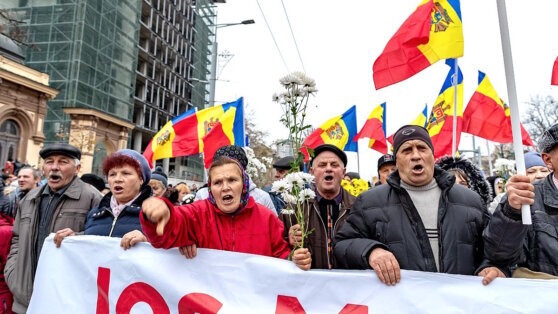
x=512 y=97
x=358 y=162
x=454 y=135
x=489 y=157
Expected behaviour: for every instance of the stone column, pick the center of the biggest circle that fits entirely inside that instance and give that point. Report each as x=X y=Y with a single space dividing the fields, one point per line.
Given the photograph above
x=83 y=136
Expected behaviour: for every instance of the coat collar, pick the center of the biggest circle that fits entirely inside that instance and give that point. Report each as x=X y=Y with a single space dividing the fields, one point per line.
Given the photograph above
x=73 y=191
x=444 y=179
x=550 y=192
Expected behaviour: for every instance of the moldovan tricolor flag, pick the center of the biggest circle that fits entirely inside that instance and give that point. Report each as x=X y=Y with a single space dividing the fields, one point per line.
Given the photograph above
x=431 y=33
x=554 y=80
x=375 y=129
x=217 y=137
x=338 y=131
x=487 y=116
x=183 y=135
x=420 y=120
x=440 y=123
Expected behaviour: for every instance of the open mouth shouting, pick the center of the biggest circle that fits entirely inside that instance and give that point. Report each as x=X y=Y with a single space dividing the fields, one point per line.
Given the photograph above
x=55 y=177
x=418 y=169
x=227 y=199
x=117 y=189
x=328 y=178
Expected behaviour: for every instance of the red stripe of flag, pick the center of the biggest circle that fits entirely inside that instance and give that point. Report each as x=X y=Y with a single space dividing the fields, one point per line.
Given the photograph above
x=554 y=80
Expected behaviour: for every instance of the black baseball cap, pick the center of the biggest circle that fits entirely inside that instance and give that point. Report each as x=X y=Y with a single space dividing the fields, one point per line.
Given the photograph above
x=385 y=159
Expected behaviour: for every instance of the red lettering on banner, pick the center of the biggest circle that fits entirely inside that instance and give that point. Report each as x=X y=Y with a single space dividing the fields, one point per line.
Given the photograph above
x=199 y=303
x=103 y=281
x=354 y=309
x=141 y=292
x=189 y=304
x=288 y=305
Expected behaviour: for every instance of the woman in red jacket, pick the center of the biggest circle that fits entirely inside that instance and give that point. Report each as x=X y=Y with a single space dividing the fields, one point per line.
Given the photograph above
x=228 y=220
x=6 y=223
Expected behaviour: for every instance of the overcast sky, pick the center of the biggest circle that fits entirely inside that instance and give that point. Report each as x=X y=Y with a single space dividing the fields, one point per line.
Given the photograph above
x=339 y=41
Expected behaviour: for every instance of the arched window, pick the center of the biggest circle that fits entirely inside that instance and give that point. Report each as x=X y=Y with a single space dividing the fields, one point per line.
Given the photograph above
x=9 y=140
x=10 y=127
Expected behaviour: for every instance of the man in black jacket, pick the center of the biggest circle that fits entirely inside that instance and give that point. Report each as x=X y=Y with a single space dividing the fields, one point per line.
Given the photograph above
x=419 y=220
x=534 y=248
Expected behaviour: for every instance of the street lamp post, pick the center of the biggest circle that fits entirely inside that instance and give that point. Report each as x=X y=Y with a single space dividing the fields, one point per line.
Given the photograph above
x=213 y=77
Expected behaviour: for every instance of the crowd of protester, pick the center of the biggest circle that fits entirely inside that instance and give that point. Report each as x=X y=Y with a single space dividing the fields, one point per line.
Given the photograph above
x=442 y=216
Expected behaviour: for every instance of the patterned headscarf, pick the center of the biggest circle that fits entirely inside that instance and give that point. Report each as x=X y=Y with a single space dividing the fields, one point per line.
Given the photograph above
x=234 y=152
x=244 y=196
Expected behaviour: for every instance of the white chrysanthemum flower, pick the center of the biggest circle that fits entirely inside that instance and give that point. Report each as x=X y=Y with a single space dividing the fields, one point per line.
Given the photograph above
x=286 y=211
x=295 y=179
x=307 y=178
x=288 y=198
x=275 y=97
x=504 y=163
x=290 y=79
x=304 y=79
x=306 y=194
x=281 y=186
x=298 y=92
x=311 y=90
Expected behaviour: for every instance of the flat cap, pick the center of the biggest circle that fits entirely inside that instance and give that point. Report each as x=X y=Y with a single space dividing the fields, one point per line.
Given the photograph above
x=283 y=163
x=60 y=149
x=549 y=139
x=330 y=148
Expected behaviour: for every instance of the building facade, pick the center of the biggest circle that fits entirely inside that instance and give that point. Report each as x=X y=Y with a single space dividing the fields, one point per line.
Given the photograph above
x=173 y=62
x=122 y=68
x=23 y=105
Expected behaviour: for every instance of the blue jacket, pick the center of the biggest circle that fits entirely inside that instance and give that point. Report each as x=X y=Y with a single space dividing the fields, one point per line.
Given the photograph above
x=100 y=219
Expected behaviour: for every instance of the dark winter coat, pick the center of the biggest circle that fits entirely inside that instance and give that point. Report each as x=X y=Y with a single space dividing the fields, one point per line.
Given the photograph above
x=508 y=241
x=317 y=240
x=101 y=221
x=477 y=181
x=276 y=198
x=386 y=217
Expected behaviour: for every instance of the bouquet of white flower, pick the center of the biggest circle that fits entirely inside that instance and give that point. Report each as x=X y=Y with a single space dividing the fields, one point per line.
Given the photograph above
x=294 y=101
x=295 y=190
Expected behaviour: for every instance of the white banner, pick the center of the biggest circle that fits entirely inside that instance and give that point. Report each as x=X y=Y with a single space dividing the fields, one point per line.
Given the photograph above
x=78 y=277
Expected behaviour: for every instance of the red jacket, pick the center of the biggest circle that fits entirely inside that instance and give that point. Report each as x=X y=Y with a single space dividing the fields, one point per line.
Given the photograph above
x=6 y=298
x=253 y=230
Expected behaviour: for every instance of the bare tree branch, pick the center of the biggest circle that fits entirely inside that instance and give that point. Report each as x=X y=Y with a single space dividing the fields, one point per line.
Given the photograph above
x=541 y=114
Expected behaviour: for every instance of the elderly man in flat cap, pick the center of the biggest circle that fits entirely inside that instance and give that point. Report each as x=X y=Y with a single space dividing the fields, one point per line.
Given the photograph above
x=281 y=167
x=534 y=248
x=61 y=203
x=420 y=220
x=329 y=210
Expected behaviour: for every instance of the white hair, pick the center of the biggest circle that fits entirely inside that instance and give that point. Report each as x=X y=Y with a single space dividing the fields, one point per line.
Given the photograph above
x=76 y=162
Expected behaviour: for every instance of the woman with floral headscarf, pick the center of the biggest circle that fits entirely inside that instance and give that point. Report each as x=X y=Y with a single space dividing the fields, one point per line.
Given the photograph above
x=228 y=219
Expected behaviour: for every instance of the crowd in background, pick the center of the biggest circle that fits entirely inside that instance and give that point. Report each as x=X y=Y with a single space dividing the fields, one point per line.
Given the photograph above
x=423 y=214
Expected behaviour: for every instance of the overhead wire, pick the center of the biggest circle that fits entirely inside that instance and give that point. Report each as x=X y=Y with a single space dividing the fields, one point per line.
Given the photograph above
x=292 y=34
x=273 y=36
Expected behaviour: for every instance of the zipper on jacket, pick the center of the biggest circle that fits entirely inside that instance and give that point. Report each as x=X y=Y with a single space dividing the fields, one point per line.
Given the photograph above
x=442 y=205
x=325 y=230
x=112 y=227
x=339 y=218
x=233 y=244
x=35 y=260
